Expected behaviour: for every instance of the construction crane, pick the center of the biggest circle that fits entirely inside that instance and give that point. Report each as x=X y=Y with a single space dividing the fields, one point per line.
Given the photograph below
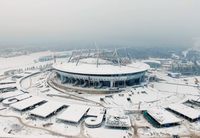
x=80 y=56
x=116 y=55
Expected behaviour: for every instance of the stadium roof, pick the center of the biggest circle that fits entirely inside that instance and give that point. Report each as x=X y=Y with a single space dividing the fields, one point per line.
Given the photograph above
x=104 y=69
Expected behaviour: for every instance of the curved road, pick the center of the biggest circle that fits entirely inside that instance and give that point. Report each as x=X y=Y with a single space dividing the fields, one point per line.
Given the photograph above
x=40 y=128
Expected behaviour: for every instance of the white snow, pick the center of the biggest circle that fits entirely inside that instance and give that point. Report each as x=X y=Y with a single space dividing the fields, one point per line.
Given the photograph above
x=185 y=110
x=21 y=105
x=10 y=94
x=163 y=116
x=102 y=69
x=162 y=93
x=115 y=117
x=16 y=98
x=21 y=61
x=73 y=113
x=95 y=111
x=46 y=109
x=7 y=85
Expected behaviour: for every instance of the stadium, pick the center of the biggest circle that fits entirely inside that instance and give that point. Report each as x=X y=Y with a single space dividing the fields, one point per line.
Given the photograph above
x=98 y=71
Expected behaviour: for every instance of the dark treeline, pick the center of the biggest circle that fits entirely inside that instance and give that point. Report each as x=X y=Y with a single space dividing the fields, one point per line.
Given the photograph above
x=155 y=52
x=133 y=52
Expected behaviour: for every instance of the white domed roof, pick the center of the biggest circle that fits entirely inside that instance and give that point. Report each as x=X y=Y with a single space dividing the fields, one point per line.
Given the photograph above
x=86 y=66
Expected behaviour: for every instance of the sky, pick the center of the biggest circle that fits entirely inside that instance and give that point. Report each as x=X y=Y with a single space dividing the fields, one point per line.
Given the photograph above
x=81 y=23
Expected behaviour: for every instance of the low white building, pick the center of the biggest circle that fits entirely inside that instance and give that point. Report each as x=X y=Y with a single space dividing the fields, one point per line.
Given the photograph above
x=116 y=118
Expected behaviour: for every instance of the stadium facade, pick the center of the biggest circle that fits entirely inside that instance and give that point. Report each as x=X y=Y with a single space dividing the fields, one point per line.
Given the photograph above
x=99 y=70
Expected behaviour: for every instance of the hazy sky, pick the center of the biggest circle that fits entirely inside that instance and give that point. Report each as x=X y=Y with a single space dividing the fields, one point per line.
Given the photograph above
x=108 y=22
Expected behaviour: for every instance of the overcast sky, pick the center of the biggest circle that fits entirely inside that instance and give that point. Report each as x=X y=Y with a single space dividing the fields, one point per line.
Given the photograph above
x=106 y=22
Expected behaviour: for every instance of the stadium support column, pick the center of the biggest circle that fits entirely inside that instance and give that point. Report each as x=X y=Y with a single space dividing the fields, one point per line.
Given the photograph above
x=140 y=80
x=124 y=83
x=111 y=83
x=63 y=79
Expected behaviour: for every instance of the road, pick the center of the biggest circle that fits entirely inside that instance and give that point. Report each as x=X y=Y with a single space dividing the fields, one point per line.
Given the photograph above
x=40 y=128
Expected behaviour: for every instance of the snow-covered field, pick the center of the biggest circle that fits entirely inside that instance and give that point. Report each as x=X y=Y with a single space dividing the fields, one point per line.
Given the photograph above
x=132 y=100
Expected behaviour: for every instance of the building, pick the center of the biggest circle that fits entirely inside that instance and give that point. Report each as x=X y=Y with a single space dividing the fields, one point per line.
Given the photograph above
x=185 y=111
x=160 y=117
x=98 y=71
x=174 y=75
x=185 y=67
x=116 y=118
x=153 y=63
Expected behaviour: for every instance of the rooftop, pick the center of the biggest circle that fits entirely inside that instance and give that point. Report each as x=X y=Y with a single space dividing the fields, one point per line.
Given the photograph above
x=185 y=110
x=163 y=116
x=46 y=109
x=10 y=94
x=115 y=117
x=22 y=105
x=73 y=113
x=84 y=68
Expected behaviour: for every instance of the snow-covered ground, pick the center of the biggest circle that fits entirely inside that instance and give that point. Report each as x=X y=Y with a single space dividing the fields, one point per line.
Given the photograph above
x=132 y=100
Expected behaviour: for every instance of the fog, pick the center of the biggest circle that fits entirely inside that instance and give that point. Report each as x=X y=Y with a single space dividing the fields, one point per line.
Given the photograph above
x=80 y=23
